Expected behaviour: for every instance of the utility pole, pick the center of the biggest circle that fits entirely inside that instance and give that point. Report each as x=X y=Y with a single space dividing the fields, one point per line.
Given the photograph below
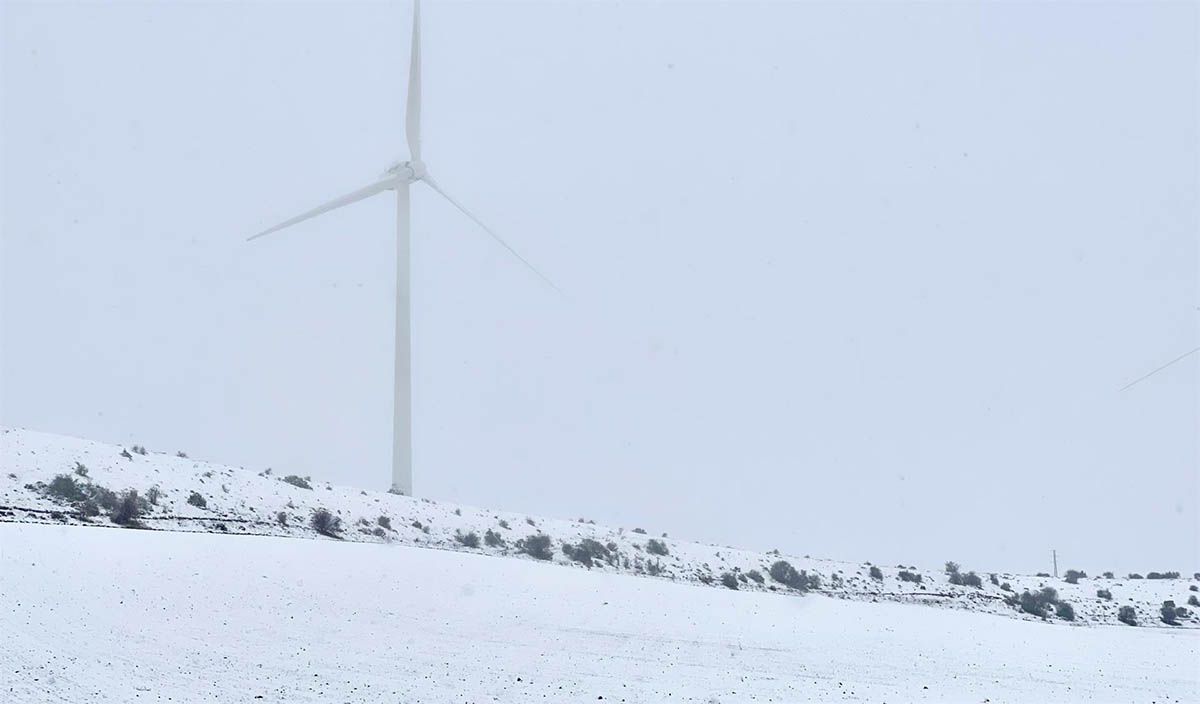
x=1055 y=553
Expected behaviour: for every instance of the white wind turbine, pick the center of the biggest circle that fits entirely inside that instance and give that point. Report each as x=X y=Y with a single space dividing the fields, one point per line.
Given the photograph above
x=398 y=178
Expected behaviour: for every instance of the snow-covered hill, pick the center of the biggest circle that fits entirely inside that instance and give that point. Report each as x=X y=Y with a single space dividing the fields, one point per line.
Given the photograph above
x=124 y=616
x=241 y=501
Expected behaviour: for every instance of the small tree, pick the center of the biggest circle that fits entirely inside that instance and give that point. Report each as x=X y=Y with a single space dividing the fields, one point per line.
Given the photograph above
x=1108 y=575
x=536 y=546
x=1168 y=613
x=1127 y=615
x=1065 y=611
x=994 y=579
x=493 y=539
x=729 y=580
x=876 y=573
x=195 y=499
x=127 y=509
x=1073 y=576
x=951 y=567
x=282 y=518
x=326 y=523
x=657 y=547
x=152 y=495
x=470 y=540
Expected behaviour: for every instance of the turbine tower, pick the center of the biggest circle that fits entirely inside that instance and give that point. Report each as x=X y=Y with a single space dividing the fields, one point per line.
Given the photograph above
x=398 y=178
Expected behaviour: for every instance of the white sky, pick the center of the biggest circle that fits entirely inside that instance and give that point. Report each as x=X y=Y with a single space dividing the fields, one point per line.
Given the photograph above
x=854 y=280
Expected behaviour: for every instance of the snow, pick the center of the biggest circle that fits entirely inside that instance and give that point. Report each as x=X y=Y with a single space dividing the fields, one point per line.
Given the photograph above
x=149 y=616
x=243 y=501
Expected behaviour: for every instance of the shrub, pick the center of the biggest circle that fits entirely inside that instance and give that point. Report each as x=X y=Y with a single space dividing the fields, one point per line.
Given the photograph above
x=785 y=574
x=181 y=454
x=657 y=547
x=470 y=540
x=1193 y=588
x=756 y=576
x=379 y=532
x=536 y=546
x=326 y=523
x=384 y=522
x=1108 y=575
x=127 y=510
x=1162 y=575
x=971 y=579
x=504 y=524
x=64 y=488
x=1040 y=602
x=729 y=580
x=654 y=568
x=1127 y=615
x=458 y=512
x=1043 y=574
x=125 y=454
x=906 y=576
x=640 y=531
x=1104 y=594
x=282 y=518
x=1065 y=611
x=139 y=449
x=1193 y=601
x=1134 y=575
x=197 y=500
x=152 y=495
x=1168 y=613
x=994 y=579
x=951 y=567
x=876 y=573
x=298 y=481
x=587 y=552
x=492 y=539
x=1006 y=587
x=1073 y=576
x=530 y=521
x=80 y=469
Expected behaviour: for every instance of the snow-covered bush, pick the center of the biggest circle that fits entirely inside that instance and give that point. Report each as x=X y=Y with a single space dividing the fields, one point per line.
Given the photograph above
x=729 y=580
x=536 y=546
x=470 y=540
x=906 y=576
x=301 y=482
x=755 y=576
x=127 y=510
x=195 y=499
x=1104 y=594
x=1168 y=614
x=326 y=523
x=384 y=522
x=876 y=573
x=657 y=547
x=1073 y=576
x=1127 y=615
x=493 y=539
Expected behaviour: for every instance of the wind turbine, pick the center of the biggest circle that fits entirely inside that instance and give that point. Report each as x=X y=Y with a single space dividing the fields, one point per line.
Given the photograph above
x=398 y=178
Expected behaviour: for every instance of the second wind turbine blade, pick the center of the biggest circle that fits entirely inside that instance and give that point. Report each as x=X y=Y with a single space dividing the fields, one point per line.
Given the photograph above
x=352 y=197
x=477 y=221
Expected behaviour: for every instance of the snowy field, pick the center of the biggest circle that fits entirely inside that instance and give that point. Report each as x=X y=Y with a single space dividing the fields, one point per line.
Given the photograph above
x=91 y=615
x=241 y=501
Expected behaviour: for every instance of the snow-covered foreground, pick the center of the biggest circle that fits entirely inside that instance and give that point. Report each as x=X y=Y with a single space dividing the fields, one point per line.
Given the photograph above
x=238 y=501
x=124 y=615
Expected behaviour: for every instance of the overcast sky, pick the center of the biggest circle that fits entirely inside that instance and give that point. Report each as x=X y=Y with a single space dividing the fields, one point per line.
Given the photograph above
x=861 y=281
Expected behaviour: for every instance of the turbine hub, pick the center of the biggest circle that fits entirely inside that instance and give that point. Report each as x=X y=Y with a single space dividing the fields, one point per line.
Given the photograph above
x=408 y=170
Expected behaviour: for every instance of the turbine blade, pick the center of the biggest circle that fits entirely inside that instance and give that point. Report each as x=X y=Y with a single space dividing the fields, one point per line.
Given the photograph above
x=365 y=192
x=412 y=118
x=1144 y=377
x=477 y=221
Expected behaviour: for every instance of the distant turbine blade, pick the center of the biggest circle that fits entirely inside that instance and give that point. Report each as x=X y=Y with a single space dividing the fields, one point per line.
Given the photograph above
x=1144 y=377
x=413 y=110
x=488 y=230
x=366 y=192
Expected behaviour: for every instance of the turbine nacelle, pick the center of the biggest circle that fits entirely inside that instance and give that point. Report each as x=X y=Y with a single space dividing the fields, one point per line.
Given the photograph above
x=407 y=171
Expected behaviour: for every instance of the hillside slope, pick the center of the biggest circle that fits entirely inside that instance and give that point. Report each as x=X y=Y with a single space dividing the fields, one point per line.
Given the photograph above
x=154 y=616
x=240 y=501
